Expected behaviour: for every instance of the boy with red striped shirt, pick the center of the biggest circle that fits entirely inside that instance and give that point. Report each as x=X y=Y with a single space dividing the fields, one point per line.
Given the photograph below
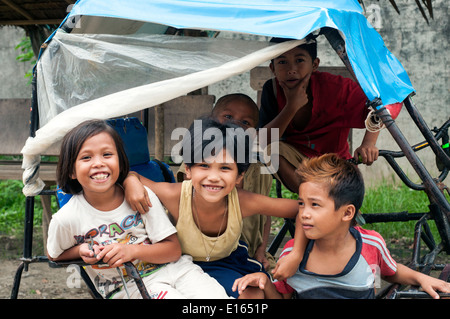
x=341 y=259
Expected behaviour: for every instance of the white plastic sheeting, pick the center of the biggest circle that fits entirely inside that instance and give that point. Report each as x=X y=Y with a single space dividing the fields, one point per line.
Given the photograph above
x=78 y=68
x=173 y=67
x=378 y=71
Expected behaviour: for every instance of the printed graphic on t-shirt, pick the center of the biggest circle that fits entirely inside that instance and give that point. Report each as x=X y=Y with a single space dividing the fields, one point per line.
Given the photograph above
x=108 y=279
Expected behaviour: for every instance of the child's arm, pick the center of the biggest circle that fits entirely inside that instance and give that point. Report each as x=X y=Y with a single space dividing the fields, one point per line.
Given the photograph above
x=252 y=203
x=408 y=276
x=367 y=149
x=135 y=193
x=79 y=251
x=61 y=244
x=137 y=196
x=287 y=266
x=260 y=253
x=164 y=251
x=296 y=98
x=259 y=280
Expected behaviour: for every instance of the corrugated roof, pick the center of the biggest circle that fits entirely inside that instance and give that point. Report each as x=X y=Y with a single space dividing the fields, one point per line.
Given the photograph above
x=33 y=12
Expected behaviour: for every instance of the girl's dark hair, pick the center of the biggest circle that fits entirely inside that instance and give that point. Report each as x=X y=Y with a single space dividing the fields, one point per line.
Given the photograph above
x=71 y=146
x=206 y=136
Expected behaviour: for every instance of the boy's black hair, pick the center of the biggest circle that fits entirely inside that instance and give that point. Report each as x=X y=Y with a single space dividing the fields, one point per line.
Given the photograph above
x=71 y=145
x=232 y=97
x=310 y=46
x=208 y=134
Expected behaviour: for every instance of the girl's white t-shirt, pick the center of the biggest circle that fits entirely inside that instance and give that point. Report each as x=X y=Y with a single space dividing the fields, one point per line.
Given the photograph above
x=77 y=221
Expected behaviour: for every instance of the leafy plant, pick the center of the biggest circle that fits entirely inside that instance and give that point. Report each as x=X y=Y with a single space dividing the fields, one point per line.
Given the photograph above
x=12 y=208
x=26 y=55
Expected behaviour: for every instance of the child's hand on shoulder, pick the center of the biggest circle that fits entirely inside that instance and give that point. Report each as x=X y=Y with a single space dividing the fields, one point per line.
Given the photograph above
x=136 y=195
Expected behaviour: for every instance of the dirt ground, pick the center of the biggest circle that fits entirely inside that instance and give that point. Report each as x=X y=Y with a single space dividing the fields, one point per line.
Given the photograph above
x=40 y=281
x=43 y=282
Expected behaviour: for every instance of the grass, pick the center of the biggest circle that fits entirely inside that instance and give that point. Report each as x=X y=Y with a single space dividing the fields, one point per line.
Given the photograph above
x=12 y=208
x=396 y=199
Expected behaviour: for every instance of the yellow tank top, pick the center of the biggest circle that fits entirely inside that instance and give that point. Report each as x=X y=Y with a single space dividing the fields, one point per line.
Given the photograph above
x=198 y=245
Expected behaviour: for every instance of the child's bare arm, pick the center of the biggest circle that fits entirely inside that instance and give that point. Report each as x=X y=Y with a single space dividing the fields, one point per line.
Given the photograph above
x=79 y=251
x=367 y=150
x=260 y=253
x=281 y=207
x=135 y=193
x=252 y=203
x=408 y=276
x=288 y=265
x=296 y=98
x=259 y=280
x=137 y=196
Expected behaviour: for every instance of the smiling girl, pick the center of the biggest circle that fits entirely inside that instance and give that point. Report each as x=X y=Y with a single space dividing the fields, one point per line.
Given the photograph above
x=208 y=208
x=92 y=167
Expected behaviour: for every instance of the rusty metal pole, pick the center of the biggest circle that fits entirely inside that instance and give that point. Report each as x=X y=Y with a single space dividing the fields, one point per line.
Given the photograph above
x=440 y=205
x=159 y=132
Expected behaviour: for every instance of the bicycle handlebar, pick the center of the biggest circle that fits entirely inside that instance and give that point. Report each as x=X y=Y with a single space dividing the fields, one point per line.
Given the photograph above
x=441 y=133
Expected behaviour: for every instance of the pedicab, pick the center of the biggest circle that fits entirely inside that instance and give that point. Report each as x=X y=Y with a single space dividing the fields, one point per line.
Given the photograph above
x=110 y=59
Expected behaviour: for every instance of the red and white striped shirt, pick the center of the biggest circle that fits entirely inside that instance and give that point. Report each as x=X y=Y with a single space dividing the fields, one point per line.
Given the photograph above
x=359 y=277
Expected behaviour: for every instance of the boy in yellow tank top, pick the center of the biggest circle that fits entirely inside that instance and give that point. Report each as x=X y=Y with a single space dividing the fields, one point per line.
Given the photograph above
x=208 y=209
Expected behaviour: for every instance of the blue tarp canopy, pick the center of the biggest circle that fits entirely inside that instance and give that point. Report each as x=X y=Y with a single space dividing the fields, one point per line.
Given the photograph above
x=379 y=73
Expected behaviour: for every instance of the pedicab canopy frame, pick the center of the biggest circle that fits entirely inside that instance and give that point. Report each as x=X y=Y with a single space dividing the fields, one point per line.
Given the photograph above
x=113 y=58
x=116 y=57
